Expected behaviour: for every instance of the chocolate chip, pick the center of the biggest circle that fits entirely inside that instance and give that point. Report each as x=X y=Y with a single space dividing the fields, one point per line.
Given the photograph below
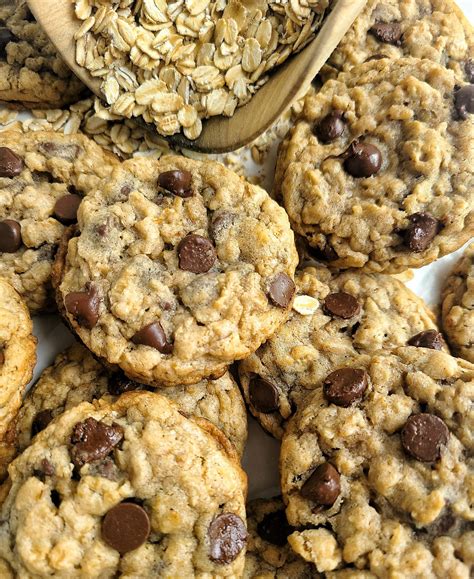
x=92 y=440
x=427 y=339
x=154 y=336
x=196 y=254
x=423 y=436
x=345 y=386
x=263 y=395
x=227 y=537
x=125 y=527
x=220 y=222
x=469 y=70
x=2 y=357
x=105 y=468
x=275 y=528
x=421 y=231
x=10 y=236
x=281 y=290
x=323 y=486
x=55 y=498
x=47 y=467
x=464 y=100
x=41 y=421
x=331 y=127
x=342 y=305
x=363 y=160
x=10 y=164
x=84 y=307
x=176 y=182
x=6 y=36
x=388 y=32
x=119 y=384
x=65 y=208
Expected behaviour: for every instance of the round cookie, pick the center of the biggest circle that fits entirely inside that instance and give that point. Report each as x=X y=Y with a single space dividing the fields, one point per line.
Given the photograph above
x=179 y=268
x=31 y=72
x=385 y=481
x=333 y=318
x=268 y=554
x=432 y=29
x=128 y=489
x=457 y=309
x=43 y=176
x=76 y=377
x=378 y=170
x=17 y=353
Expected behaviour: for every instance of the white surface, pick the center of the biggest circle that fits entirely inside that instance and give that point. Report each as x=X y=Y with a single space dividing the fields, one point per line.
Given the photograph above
x=261 y=456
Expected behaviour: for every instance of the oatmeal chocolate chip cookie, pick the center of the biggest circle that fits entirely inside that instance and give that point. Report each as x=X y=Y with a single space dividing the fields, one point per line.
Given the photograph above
x=386 y=482
x=334 y=318
x=179 y=268
x=128 y=489
x=77 y=377
x=378 y=170
x=43 y=176
x=17 y=354
x=31 y=72
x=457 y=308
x=432 y=29
x=269 y=555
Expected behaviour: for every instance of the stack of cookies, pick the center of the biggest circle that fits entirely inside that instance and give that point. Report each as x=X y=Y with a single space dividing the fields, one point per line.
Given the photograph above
x=195 y=295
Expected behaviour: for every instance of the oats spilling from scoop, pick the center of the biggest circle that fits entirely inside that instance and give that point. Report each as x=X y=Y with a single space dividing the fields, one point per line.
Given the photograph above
x=175 y=63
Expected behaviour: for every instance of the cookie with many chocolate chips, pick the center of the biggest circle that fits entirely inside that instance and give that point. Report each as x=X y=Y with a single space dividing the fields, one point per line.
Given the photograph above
x=31 y=72
x=43 y=177
x=391 y=188
x=76 y=377
x=17 y=356
x=334 y=318
x=386 y=483
x=269 y=555
x=174 y=278
x=457 y=307
x=432 y=29
x=132 y=488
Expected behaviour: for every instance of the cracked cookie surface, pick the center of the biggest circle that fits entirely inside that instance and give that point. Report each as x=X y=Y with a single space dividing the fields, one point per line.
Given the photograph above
x=31 y=71
x=378 y=170
x=432 y=29
x=98 y=471
x=380 y=313
x=385 y=482
x=457 y=308
x=179 y=268
x=43 y=176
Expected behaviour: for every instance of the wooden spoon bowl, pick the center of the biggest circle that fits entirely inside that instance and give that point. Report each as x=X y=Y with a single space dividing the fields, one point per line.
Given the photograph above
x=221 y=134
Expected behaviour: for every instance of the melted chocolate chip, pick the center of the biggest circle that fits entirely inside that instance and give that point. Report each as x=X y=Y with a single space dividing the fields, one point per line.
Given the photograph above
x=176 y=182
x=106 y=468
x=220 y=222
x=84 y=307
x=469 y=70
x=421 y=231
x=154 y=336
x=345 y=386
x=387 y=32
x=227 y=537
x=464 y=100
x=323 y=486
x=10 y=236
x=6 y=36
x=92 y=440
x=281 y=290
x=119 y=384
x=275 y=528
x=41 y=421
x=428 y=339
x=196 y=254
x=331 y=127
x=65 y=208
x=125 y=527
x=363 y=160
x=342 y=305
x=423 y=436
x=263 y=395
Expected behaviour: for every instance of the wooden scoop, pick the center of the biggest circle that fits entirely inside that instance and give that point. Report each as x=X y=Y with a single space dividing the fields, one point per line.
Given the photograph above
x=221 y=134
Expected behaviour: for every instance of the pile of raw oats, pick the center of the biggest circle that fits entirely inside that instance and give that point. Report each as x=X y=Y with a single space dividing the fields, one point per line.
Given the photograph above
x=175 y=63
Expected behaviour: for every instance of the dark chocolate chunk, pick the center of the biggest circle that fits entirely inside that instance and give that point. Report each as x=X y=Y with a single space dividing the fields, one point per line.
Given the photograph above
x=92 y=440
x=423 y=436
x=346 y=386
